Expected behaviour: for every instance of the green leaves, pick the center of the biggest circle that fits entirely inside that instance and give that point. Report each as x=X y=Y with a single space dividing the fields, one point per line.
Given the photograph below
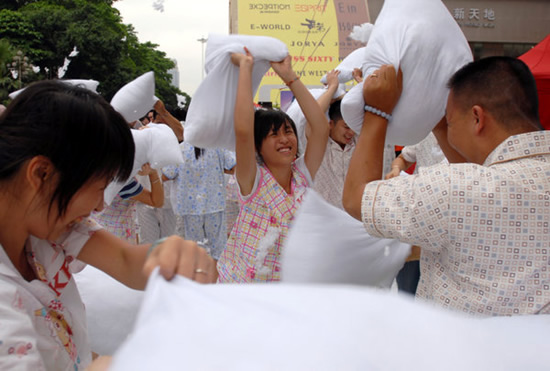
x=109 y=51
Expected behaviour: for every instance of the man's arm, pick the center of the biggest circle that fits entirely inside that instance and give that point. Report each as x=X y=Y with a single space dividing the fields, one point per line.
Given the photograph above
x=381 y=90
x=166 y=117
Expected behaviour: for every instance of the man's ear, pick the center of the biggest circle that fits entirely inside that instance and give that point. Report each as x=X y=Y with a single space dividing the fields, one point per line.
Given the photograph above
x=39 y=169
x=479 y=116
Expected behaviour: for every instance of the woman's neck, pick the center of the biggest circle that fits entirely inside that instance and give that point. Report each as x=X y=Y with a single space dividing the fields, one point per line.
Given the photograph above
x=283 y=176
x=13 y=236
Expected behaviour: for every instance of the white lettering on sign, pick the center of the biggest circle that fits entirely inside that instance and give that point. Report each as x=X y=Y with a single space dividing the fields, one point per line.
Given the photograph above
x=489 y=14
x=458 y=13
x=474 y=14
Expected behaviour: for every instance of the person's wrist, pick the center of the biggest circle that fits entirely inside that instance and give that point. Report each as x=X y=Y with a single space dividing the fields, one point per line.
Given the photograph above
x=378 y=112
x=289 y=81
x=246 y=64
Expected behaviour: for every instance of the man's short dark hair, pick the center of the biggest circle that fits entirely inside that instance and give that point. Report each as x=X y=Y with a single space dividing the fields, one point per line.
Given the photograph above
x=503 y=86
x=334 y=112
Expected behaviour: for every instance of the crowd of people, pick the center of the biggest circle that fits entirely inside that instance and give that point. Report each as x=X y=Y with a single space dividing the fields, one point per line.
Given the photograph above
x=476 y=210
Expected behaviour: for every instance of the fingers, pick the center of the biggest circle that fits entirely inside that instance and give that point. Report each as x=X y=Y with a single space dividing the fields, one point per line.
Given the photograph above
x=393 y=173
x=332 y=77
x=163 y=256
x=239 y=58
x=205 y=268
x=178 y=256
x=383 y=88
x=400 y=79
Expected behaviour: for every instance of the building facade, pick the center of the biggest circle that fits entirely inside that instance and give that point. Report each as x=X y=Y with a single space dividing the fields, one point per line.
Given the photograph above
x=495 y=27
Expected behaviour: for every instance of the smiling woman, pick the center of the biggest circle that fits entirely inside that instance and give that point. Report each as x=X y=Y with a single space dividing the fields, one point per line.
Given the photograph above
x=271 y=191
x=60 y=145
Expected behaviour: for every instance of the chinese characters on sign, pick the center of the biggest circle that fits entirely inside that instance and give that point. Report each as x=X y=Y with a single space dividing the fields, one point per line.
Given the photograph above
x=474 y=17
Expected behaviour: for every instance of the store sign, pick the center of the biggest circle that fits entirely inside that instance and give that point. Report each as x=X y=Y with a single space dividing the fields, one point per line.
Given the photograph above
x=316 y=33
x=474 y=17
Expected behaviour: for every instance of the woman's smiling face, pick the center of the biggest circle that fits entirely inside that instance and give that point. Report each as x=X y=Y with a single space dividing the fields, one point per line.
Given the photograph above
x=280 y=147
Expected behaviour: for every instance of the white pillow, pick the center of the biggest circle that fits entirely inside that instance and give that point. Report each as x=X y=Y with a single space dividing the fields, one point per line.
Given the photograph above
x=327 y=245
x=156 y=144
x=294 y=111
x=87 y=84
x=361 y=32
x=209 y=122
x=353 y=60
x=111 y=309
x=136 y=98
x=315 y=327
x=422 y=38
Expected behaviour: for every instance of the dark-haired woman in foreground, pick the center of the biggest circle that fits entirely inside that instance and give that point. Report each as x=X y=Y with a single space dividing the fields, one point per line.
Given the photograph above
x=59 y=148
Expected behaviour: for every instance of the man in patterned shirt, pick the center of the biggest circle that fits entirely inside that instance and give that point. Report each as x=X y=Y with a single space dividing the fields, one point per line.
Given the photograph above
x=483 y=225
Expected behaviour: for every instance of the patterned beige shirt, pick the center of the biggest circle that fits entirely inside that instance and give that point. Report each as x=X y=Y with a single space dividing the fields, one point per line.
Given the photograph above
x=329 y=180
x=484 y=230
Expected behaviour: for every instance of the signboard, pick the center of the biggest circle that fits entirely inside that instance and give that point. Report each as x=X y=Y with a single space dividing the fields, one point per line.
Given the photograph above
x=474 y=17
x=315 y=31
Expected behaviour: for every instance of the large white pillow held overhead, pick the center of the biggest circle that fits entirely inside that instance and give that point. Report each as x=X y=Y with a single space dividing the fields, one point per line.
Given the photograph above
x=209 y=121
x=136 y=98
x=422 y=38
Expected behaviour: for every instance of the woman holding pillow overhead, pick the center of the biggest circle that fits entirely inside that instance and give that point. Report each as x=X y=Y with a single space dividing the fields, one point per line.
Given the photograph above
x=272 y=190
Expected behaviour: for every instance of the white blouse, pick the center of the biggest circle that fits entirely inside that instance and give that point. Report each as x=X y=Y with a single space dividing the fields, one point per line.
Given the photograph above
x=43 y=324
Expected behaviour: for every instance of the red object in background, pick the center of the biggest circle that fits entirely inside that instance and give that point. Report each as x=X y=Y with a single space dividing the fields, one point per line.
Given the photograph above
x=538 y=60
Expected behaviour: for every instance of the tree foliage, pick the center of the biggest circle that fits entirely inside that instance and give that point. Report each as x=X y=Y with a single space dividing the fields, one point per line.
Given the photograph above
x=46 y=32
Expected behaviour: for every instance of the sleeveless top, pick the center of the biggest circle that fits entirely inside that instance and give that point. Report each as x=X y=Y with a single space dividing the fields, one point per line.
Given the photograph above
x=253 y=249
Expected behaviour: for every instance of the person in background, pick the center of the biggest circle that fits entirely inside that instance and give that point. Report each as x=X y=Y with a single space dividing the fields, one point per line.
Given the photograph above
x=199 y=195
x=159 y=221
x=329 y=181
x=120 y=216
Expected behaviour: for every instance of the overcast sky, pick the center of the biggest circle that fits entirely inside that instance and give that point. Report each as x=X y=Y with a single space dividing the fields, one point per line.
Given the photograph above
x=176 y=30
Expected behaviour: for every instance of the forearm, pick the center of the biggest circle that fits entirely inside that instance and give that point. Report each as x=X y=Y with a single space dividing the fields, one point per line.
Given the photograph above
x=313 y=113
x=172 y=122
x=325 y=99
x=245 y=171
x=117 y=258
x=157 y=190
x=366 y=163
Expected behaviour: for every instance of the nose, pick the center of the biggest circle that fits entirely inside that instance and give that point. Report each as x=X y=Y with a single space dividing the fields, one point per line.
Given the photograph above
x=284 y=138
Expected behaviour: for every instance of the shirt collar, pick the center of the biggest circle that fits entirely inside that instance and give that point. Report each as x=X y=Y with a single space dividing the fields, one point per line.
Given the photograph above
x=347 y=147
x=530 y=144
x=6 y=266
